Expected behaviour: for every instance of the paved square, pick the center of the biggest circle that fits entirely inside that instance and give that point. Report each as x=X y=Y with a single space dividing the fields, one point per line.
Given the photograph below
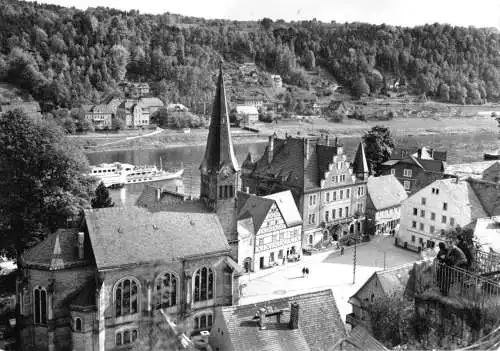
x=328 y=270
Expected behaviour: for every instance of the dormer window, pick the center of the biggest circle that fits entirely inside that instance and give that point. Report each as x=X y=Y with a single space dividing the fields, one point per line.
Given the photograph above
x=407 y=173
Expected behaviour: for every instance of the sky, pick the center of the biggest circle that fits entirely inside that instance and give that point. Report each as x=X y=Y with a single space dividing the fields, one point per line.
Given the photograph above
x=479 y=13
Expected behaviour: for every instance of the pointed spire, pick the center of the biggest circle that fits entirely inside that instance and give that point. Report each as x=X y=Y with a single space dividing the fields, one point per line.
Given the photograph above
x=57 y=262
x=219 y=151
x=360 y=166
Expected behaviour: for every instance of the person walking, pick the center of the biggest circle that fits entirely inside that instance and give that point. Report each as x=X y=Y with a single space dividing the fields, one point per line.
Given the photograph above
x=462 y=245
x=342 y=251
x=307 y=272
x=303 y=272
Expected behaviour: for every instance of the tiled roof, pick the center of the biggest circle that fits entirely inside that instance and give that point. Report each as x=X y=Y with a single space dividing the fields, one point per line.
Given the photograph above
x=128 y=235
x=286 y=204
x=290 y=163
x=395 y=279
x=360 y=165
x=151 y=102
x=362 y=340
x=466 y=170
x=427 y=165
x=256 y=207
x=57 y=251
x=386 y=191
x=320 y=325
x=488 y=194
x=102 y=109
x=487 y=233
x=462 y=193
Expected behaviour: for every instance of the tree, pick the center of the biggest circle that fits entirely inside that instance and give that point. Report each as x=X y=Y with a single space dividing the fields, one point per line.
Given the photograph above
x=361 y=87
x=378 y=147
x=102 y=198
x=117 y=123
x=42 y=183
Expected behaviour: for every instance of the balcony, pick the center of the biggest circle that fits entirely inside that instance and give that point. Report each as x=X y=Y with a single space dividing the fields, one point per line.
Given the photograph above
x=458 y=287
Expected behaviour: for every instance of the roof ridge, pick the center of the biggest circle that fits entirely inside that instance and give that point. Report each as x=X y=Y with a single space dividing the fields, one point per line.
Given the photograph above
x=395 y=268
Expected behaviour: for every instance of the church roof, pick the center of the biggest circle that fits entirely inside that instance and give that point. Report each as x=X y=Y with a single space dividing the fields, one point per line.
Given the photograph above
x=319 y=324
x=57 y=251
x=219 y=151
x=132 y=235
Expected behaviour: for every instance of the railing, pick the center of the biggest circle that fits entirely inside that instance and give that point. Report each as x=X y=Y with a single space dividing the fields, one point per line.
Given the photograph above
x=486 y=262
x=466 y=286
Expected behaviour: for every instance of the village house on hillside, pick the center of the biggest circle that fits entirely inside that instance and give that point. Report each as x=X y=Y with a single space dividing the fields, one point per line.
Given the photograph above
x=269 y=230
x=415 y=168
x=95 y=287
x=326 y=189
x=249 y=114
x=31 y=108
x=100 y=116
x=135 y=89
x=385 y=195
x=308 y=321
x=276 y=80
x=442 y=205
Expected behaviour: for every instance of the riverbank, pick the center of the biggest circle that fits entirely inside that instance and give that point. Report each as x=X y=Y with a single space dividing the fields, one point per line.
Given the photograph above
x=400 y=127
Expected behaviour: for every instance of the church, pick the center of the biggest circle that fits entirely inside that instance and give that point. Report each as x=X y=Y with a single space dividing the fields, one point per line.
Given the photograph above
x=100 y=285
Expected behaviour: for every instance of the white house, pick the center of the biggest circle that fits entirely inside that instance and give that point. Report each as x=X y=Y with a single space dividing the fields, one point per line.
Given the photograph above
x=385 y=195
x=250 y=114
x=439 y=206
x=269 y=229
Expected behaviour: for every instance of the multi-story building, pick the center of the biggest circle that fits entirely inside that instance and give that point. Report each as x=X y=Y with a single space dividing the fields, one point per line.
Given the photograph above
x=385 y=194
x=132 y=112
x=97 y=287
x=415 y=170
x=326 y=189
x=249 y=114
x=442 y=205
x=269 y=230
x=99 y=115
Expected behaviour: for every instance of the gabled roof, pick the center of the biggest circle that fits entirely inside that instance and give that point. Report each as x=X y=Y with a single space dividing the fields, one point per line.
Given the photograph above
x=57 y=251
x=488 y=194
x=427 y=165
x=386 y=191
x=286 y=204
x=255 y=207
x=132 y=235
x=320 y=326
x=292 y=167
x=244 y=109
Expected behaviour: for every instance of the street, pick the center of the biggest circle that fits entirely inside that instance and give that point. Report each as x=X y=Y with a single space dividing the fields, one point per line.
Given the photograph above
x=328 y=270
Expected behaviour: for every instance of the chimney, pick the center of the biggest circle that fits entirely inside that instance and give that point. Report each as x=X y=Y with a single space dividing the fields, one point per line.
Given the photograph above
x=158 y=194
x=294 y=315
x=327 y=139
x=81 y=238
x=419 y=153
x=270 y=149
x=306 y=148
x=262 y=318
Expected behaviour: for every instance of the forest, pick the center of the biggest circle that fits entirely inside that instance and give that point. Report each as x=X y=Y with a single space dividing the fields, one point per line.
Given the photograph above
x=63 y=57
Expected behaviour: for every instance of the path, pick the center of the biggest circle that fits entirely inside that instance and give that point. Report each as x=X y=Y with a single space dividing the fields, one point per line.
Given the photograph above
x=158 y=131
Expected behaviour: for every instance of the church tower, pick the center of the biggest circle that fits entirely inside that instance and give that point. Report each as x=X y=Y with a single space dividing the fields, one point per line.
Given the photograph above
x=360 y=166
x=220 y=172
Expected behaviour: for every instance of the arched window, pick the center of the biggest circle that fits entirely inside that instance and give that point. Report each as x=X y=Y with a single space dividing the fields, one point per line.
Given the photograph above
x=40 y=305
x=78 y=324
x=126 y=297
x=203 y=321
x=203 y=284
x=166 y=291
x=125 y=337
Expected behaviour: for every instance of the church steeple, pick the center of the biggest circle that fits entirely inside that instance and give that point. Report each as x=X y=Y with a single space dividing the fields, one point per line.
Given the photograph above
x=360 y=166
x=219 y=154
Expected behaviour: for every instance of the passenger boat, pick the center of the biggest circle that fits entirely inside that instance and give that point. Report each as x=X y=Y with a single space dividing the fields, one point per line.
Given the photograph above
x=492 y=155
x=117 y=174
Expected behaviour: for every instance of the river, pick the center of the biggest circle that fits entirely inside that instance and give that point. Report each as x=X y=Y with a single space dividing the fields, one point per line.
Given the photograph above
x=461 y=148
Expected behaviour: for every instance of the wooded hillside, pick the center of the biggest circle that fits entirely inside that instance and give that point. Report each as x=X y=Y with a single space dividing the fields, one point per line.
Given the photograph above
x=64 y=56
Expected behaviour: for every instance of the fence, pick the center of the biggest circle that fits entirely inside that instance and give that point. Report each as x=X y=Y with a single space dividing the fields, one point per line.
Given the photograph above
x=478 y=289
